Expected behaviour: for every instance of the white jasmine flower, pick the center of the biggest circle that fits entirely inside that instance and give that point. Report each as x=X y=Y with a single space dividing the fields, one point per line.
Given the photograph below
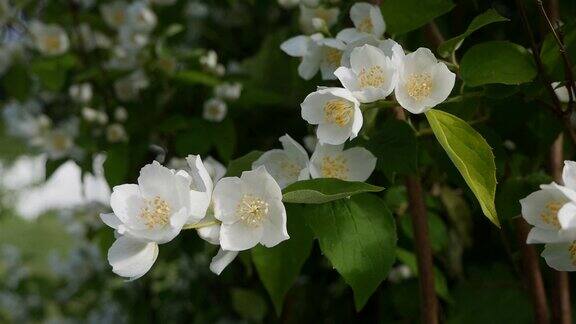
x=336 y=112
x=372 y=77
x=309 y=50
x=209 y=60
x=423 y=81
x=116 y=133
x=59 y=141
x=50 y=39
x=561 y=256
x=114 y=13
x=307 y=15
x=81 y=92
x=228 y=91
x=120 y=114
x=332 y=161
x=89 y=114
x=214 y=110
x=128 y=88
x=562 y=92
x=251 y=211
x=367 y=19
x=388 y=46
x=287 y=165
x=540 y=209
x=140 y=17
x=331 y=50
x=131 y=39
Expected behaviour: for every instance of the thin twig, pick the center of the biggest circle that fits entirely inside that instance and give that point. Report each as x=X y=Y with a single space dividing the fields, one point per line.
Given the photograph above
x=571 y=86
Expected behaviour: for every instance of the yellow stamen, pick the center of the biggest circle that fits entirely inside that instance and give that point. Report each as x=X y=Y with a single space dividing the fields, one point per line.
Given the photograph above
x=366 y=25
x=252 y=210
x=335 y=167
x=333 y=56
x=338 y=111
x=419 y=86
x=156 y=212
x=372 y=77
x=550 y=213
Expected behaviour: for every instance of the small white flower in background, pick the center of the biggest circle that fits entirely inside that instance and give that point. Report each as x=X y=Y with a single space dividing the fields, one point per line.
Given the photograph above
x=120 y=114
x=146 y=214
x=228 y=91
x=372 y=75
x=50 y=39
x=114 y=13
x=140 y=17
x=22 y=120
x=128 y=88
x=59 y=141
x=400 y=273
x=423 y=81
x=131 y=39
x=89 y=114
x=81 y=92
x=122 y=59
x=367 y=19
x=561 y=256
x=287 y=165
x=310 y=142
x=214 y=110
x=116 y=133
x=209 y=60
x=197 y=10
x=336 y=112
x=562 y=92
x=308 y=14
x=102 y=117
x=251 y=211
x=332 y=161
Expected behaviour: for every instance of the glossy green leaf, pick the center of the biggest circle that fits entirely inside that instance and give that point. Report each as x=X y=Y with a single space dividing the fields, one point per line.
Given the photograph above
x=488 y=17
x=358 y=236
x=471 y=155
x=395 y=147
x=402 y=16
x=279 y=266
x=319 y=191
x=243 y=163
x=497 y=62
x=550 y=53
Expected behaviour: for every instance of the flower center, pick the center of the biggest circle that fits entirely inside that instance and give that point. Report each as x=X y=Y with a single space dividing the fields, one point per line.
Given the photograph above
x=372 y=77
x=335 y=167
x=290 y=169
x=333 y=56
x=366 y=25
x=252 y=210
x=419 y=86
x=572 y=251
x=156 y=212
x=322 y=13
x=550 y=213
x=338 y=111
x=60 y=142
x=52 y=42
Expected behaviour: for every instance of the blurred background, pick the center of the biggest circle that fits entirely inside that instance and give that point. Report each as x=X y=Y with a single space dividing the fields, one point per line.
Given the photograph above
x=208 y=77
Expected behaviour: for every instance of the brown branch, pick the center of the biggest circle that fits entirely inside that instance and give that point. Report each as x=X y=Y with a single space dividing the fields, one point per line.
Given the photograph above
x=561 y=310
x=433 y=34
x=571 y=86
x=532 y=273
x=428 y=300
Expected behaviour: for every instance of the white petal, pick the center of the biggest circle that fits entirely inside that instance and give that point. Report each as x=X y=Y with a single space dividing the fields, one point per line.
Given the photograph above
x=275 y=162
x=201 y=180
x=227 y=195
x=310 y=64
x=313 y=107
x=419 y=60
x=567 y=216
x=348 y=78
x=559 y=256
x=131 y=258
x=350 y=35
x=296 y=46
x=569 y=174
x=361 y=163
x=111 y=220
x=239 y=236
x=210 y=234
x=366 y=56
x=539 y=235
x=442 y=83
x=275 y=230
x=360 y=11
x=260 y=183
x=156 y=180
x=222 y=260
x=126 y=203
x=294 y=150
x=333 y=134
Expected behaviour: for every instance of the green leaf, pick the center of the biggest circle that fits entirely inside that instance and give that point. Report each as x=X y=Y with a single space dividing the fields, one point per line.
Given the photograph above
x=488 y=17
x=243 y=163
x=395 y=147
x=440 y=284
x=471 y=155
x=248 y=304
x=319 y=191
x=278 y=267
x=497 y=62
x=402 y=16
x=116 y=165
x=437 y=231
x=358 y=236
x=224 y=138
x=52 y=71
x=196 y=138
x=191 y=77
